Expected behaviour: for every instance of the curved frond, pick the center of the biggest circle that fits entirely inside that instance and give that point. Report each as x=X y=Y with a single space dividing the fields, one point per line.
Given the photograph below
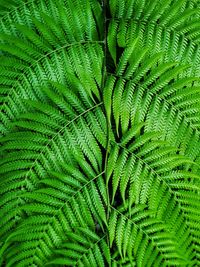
x=100 y=131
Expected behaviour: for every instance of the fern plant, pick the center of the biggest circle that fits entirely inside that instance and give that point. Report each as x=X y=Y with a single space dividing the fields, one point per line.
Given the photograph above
x=100 y=130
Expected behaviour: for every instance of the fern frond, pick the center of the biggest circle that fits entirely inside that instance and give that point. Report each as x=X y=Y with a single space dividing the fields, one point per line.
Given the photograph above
x=133 y=235
x=37 y=51
x=48 y=211
x=100 y=133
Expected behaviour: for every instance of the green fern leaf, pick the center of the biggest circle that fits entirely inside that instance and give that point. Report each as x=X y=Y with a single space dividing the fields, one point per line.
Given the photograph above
x=100 y=131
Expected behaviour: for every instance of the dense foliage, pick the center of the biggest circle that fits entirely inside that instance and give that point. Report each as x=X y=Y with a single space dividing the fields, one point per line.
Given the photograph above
x=100 y=124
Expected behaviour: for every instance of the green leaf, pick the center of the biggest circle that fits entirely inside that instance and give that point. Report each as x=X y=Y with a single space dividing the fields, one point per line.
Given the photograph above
x=100 y=131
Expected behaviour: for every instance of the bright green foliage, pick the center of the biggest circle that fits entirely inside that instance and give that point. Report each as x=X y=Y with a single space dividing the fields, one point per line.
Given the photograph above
x=100 y=132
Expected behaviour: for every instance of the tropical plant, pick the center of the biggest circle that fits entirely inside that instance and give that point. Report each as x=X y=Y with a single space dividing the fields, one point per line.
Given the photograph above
x=100 y=130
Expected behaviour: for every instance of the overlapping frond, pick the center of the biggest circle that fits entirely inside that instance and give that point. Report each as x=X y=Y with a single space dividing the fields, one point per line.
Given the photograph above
x=167 y=97
x=54 y=210
x=153 y=107
x=100 y=132
x=139 y=233
x=172 y=36
x=43 y=143
x=39 y=51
